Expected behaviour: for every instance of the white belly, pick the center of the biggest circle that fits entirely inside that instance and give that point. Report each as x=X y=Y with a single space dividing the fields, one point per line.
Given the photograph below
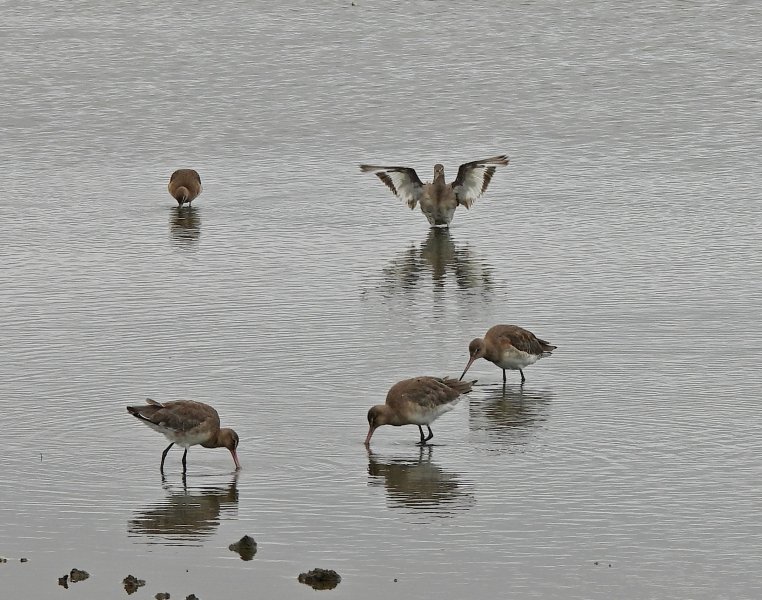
x=516 y=359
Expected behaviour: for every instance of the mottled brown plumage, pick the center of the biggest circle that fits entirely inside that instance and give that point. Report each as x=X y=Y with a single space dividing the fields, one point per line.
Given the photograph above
x=184 y=186
x=417 y=401
x=509 y=347
x=438 y=199
x=187 y=423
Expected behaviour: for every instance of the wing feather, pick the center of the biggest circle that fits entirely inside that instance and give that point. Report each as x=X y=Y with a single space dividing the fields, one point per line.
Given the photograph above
x=474 y=177
x=402 y=181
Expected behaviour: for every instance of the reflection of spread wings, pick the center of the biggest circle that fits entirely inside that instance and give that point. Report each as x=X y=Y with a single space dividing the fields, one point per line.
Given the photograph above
x=474 y=177
x=402 y=181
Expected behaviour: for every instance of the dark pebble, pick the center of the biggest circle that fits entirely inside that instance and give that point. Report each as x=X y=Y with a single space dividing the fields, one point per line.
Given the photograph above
x=320 y=579
x=64 y=582
x=23 y=560
x=191 y=597
x=162 y=596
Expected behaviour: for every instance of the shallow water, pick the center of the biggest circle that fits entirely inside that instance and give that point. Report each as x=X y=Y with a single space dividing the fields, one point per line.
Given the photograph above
x=297 y=290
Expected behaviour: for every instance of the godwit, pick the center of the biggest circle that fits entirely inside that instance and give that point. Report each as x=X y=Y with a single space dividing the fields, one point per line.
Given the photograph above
x=509 y=347
x=187 y=423
x=418 y=401
x=439 y=199
x=184 y=186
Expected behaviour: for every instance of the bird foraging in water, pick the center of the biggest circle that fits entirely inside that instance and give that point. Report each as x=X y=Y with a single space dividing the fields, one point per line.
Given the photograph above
x=184 y=186
x=438 y=199
x=418 y=401
x=509 y=347
x=187 y=423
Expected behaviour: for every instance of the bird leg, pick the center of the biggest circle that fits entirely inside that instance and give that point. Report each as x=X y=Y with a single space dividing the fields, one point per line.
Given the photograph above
x=423 y=439
x=164 y=455
x=523 y=379
x=504 y=379
x=185 y=454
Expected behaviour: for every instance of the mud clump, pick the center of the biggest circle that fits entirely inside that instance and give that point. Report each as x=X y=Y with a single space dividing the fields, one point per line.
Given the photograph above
x=320 y=579
x=191 y=597
x=246 y=547
x=162 y=596
x=132 y=583
x=73 y=576
x=78 y=575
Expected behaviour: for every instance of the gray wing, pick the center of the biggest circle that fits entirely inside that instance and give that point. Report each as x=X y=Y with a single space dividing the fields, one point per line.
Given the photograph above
x=474 y=177
x=402 y=181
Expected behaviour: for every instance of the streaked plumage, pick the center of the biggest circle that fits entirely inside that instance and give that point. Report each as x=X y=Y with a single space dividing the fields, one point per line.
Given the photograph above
x=417 y=401
x=187 y=423
x=184 y=186
x=509 y=347
x=438 y=199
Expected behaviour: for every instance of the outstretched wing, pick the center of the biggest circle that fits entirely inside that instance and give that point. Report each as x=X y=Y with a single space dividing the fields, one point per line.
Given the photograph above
x=474 y=177
x=402 y=181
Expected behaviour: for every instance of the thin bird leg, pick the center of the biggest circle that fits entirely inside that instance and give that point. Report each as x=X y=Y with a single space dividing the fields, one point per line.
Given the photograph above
x=164 y=455
x=523 y=379
x=423 y=439
x=431 y=433
x=504 y=376
x=185 y=454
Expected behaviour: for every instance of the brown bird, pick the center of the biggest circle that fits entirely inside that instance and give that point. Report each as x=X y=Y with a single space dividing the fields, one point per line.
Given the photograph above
x=509 y=347
x=187 y=423
x=439 y=199
x=418 y=401
x=184 y=186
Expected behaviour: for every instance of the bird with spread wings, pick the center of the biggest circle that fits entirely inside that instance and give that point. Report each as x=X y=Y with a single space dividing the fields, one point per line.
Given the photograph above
x=438 y=200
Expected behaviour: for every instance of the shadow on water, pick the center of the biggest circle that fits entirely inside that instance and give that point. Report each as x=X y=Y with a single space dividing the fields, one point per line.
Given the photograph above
x=184 y=225
x=508 y=414
x=439 y=259
x=417 y=484
x=187 y=514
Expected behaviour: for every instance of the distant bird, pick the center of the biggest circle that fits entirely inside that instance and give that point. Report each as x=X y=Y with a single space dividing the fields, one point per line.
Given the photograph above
x=418 y=401
x=509 y=347
x=184 y=186
x=187 y=423
x=439 y=199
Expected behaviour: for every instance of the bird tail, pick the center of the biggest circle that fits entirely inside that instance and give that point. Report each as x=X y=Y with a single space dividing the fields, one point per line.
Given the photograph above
x=547 y=348
x=462 y=387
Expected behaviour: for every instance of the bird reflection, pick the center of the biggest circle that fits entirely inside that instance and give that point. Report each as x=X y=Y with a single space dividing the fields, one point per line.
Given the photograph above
x=441 y=259
x=187 y=514
x=418 y=484
x=185 y=225
x=508 y=413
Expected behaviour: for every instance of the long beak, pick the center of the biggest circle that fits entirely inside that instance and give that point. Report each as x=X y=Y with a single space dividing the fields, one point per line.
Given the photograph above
x=370 y=435
x=468 y=366
x=235 y=460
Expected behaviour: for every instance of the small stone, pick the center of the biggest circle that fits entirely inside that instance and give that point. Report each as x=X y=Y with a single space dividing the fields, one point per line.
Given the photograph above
x=320 y=579
x=162 y=596
x=246 y=547
x=64 y=582
x=78 y=575
x=132 y=583
x=3 y=560
x=191 y=597
x=22 y=559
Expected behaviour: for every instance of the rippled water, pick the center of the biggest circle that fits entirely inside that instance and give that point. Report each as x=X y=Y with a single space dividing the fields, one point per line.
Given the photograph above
x=297 y=290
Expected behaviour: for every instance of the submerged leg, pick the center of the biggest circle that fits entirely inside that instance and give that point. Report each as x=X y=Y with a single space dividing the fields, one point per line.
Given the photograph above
x=523 y=379
x=504 y=376
x=164 y=455
x=185 y=454
x=431 y=433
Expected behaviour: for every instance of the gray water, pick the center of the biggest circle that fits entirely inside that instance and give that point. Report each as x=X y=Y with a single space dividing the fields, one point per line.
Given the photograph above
x=297 y=290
